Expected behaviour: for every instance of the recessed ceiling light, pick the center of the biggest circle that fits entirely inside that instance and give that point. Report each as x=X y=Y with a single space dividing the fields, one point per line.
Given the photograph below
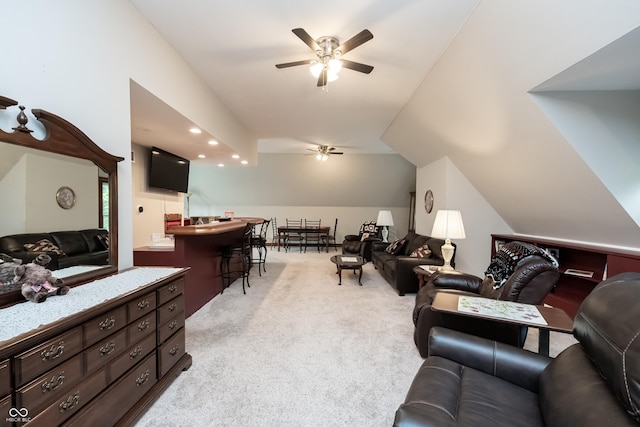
x=195 y=130
x=202 y=156
x=221 y=165
x=213 y=142
x=244 y=162
x=235 y=156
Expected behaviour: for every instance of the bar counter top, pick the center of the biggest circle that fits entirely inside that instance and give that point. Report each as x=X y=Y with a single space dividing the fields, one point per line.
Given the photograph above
x=215 y=228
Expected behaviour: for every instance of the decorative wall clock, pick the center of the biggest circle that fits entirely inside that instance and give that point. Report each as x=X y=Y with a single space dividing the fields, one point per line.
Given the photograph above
x=65 y=197
x=428 y=201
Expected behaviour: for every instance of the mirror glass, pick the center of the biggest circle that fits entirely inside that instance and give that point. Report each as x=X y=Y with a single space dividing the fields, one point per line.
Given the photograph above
x=32 y=175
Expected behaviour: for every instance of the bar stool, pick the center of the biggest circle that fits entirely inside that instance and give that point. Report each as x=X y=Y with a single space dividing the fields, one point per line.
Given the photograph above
x=259 y=242
x=243 y=252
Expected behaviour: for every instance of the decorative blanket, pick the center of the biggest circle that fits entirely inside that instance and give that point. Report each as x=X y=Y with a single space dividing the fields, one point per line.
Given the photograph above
x=505 y=261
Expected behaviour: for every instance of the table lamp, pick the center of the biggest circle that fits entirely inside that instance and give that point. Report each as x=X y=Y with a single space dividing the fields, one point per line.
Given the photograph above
x=384 y=220
x=448 y=225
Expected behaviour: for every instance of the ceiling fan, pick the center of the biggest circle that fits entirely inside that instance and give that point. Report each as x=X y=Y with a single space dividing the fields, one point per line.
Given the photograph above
x=322 y=152
x=329 y=53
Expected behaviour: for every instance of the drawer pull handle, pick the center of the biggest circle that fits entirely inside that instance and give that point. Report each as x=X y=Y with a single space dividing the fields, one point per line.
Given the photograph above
x=135 y=352
x=143 y=304
x=173 y=307
x=53 y=352
x=108 y=323
x=143 y=325
x=142 y=378
x=173 y=325
x=174 y=350
x=107 y=349
x=71 y=401
x=53 y=383
x=172 y=289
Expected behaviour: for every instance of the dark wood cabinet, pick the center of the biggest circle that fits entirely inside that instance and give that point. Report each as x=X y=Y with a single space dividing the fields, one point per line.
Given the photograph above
x=101 y=366
x=582 y=267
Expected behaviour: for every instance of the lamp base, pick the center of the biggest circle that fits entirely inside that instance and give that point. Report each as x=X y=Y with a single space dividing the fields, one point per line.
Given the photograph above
x=385 y=234
x=447 y=253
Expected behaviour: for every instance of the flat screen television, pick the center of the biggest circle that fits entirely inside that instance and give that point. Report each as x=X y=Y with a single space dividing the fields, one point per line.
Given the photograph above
x=168 y=171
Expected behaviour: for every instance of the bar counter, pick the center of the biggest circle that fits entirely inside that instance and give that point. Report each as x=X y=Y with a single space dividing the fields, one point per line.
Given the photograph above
x=200 y=248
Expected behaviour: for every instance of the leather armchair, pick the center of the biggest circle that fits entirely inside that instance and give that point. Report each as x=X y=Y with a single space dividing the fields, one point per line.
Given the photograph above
x=533 y=277
x=360 y=244
x=472 y=381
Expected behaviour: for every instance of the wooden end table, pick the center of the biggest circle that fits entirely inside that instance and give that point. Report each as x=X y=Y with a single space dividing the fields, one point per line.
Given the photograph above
x=555 y=318
x=424 y=274
x=348 y=262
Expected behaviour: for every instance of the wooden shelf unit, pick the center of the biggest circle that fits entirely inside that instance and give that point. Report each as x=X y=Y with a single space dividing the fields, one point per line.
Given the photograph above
x=571 y=289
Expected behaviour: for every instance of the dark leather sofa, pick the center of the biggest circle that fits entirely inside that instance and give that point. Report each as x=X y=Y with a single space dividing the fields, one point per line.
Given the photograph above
x=83 y=247
x=471 y=381
x=398 y=269
x=534 y=277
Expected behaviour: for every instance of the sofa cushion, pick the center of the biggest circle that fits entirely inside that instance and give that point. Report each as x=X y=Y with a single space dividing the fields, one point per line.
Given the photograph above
x=395 y=247
x=44 y=245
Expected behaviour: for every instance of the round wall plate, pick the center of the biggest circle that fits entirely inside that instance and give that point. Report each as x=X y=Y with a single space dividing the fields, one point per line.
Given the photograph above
x=428 y=201
x=65 y=197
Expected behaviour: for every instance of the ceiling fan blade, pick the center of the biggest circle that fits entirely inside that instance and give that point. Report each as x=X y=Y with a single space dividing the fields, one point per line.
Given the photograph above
x=336 y=152
x=355 y=41
x=356 y=66
x=322 y=78
x=293 y=64
x=306 y=38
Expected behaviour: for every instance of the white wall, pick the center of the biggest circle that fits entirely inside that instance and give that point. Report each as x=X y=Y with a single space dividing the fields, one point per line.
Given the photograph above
x=75 y=58
x=452 y=190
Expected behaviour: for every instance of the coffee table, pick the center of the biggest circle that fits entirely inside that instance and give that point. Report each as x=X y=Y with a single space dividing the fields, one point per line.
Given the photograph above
x=348 y=262
x=555 y=318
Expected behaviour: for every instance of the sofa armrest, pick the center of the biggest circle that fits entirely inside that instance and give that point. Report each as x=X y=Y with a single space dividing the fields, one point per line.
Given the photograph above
x=455 y=280
x=379 y=245
x=352 y=238
x=512 y=364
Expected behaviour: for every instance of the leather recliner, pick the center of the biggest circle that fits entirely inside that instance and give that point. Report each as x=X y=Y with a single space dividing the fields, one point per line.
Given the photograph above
x=472 y=381
x=533 y=277
x=360 y=244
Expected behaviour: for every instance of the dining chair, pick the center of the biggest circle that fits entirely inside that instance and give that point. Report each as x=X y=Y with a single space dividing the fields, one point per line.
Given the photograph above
x=312 y=238
x=274 y=232
x=259 y=242
x=293 y=236
x=328 y=238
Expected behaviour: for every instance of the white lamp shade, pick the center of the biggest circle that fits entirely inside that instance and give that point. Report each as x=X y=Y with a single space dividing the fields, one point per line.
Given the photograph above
x=384 y=219
x=448 y=225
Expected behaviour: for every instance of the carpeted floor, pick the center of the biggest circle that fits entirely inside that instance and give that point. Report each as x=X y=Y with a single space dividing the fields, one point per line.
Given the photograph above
x=298 y=350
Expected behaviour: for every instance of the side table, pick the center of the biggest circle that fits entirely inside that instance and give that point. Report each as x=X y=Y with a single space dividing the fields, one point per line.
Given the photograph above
x=424 y=273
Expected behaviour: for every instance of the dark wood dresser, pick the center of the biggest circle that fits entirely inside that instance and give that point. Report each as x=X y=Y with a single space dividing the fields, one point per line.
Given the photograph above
x=99 y=366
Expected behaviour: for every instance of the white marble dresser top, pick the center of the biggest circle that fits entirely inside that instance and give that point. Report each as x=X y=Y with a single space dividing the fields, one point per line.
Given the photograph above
x=27 y=316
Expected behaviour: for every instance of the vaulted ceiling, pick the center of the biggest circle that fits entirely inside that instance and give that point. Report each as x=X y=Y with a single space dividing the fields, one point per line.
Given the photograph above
x=498 y=86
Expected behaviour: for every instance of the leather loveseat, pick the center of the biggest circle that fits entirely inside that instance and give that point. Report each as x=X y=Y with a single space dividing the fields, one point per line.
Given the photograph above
x=397 y=267
x=472 y=381
x=66 y=248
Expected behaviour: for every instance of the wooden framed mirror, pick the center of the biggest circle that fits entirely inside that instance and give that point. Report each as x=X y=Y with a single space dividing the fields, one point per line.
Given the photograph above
x=64 y=144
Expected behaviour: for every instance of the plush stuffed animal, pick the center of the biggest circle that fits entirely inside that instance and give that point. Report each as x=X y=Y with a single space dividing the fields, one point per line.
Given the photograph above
x=37 y=281
x=8 y=266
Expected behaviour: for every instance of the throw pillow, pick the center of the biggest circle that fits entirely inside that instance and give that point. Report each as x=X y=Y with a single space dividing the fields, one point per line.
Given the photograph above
x=421 y=252
x=44 y=245
x=104 y=240
x=395 y=247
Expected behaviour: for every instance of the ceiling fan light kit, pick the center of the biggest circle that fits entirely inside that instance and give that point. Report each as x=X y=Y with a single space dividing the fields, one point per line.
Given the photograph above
x=324 y=151
x=329 y=52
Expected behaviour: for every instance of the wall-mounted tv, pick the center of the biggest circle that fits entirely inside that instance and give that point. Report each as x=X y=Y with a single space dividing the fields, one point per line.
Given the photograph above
x=168 y=171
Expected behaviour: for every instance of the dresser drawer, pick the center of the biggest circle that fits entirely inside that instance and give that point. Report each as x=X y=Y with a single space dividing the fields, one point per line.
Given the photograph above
x=104 y=325
x=170 y=352
x=141 y=327
x=105 y=351
x=46 y=356
x=170 y=309
x=170 y=327
x=116 y=401
x=71 y=402
x=50 y=386
x=170 y=291
x=130 y=357
x=5 y=375
x=5 y=407
x=141 y=306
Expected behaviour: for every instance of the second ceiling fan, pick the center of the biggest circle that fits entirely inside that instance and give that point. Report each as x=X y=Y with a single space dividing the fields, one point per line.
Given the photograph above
x=329 y=53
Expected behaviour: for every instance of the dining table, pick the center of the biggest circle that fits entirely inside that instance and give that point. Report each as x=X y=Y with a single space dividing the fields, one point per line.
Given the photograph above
x=323 y=230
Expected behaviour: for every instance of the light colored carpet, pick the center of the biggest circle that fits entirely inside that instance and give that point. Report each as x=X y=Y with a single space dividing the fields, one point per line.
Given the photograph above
x=297 y=350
